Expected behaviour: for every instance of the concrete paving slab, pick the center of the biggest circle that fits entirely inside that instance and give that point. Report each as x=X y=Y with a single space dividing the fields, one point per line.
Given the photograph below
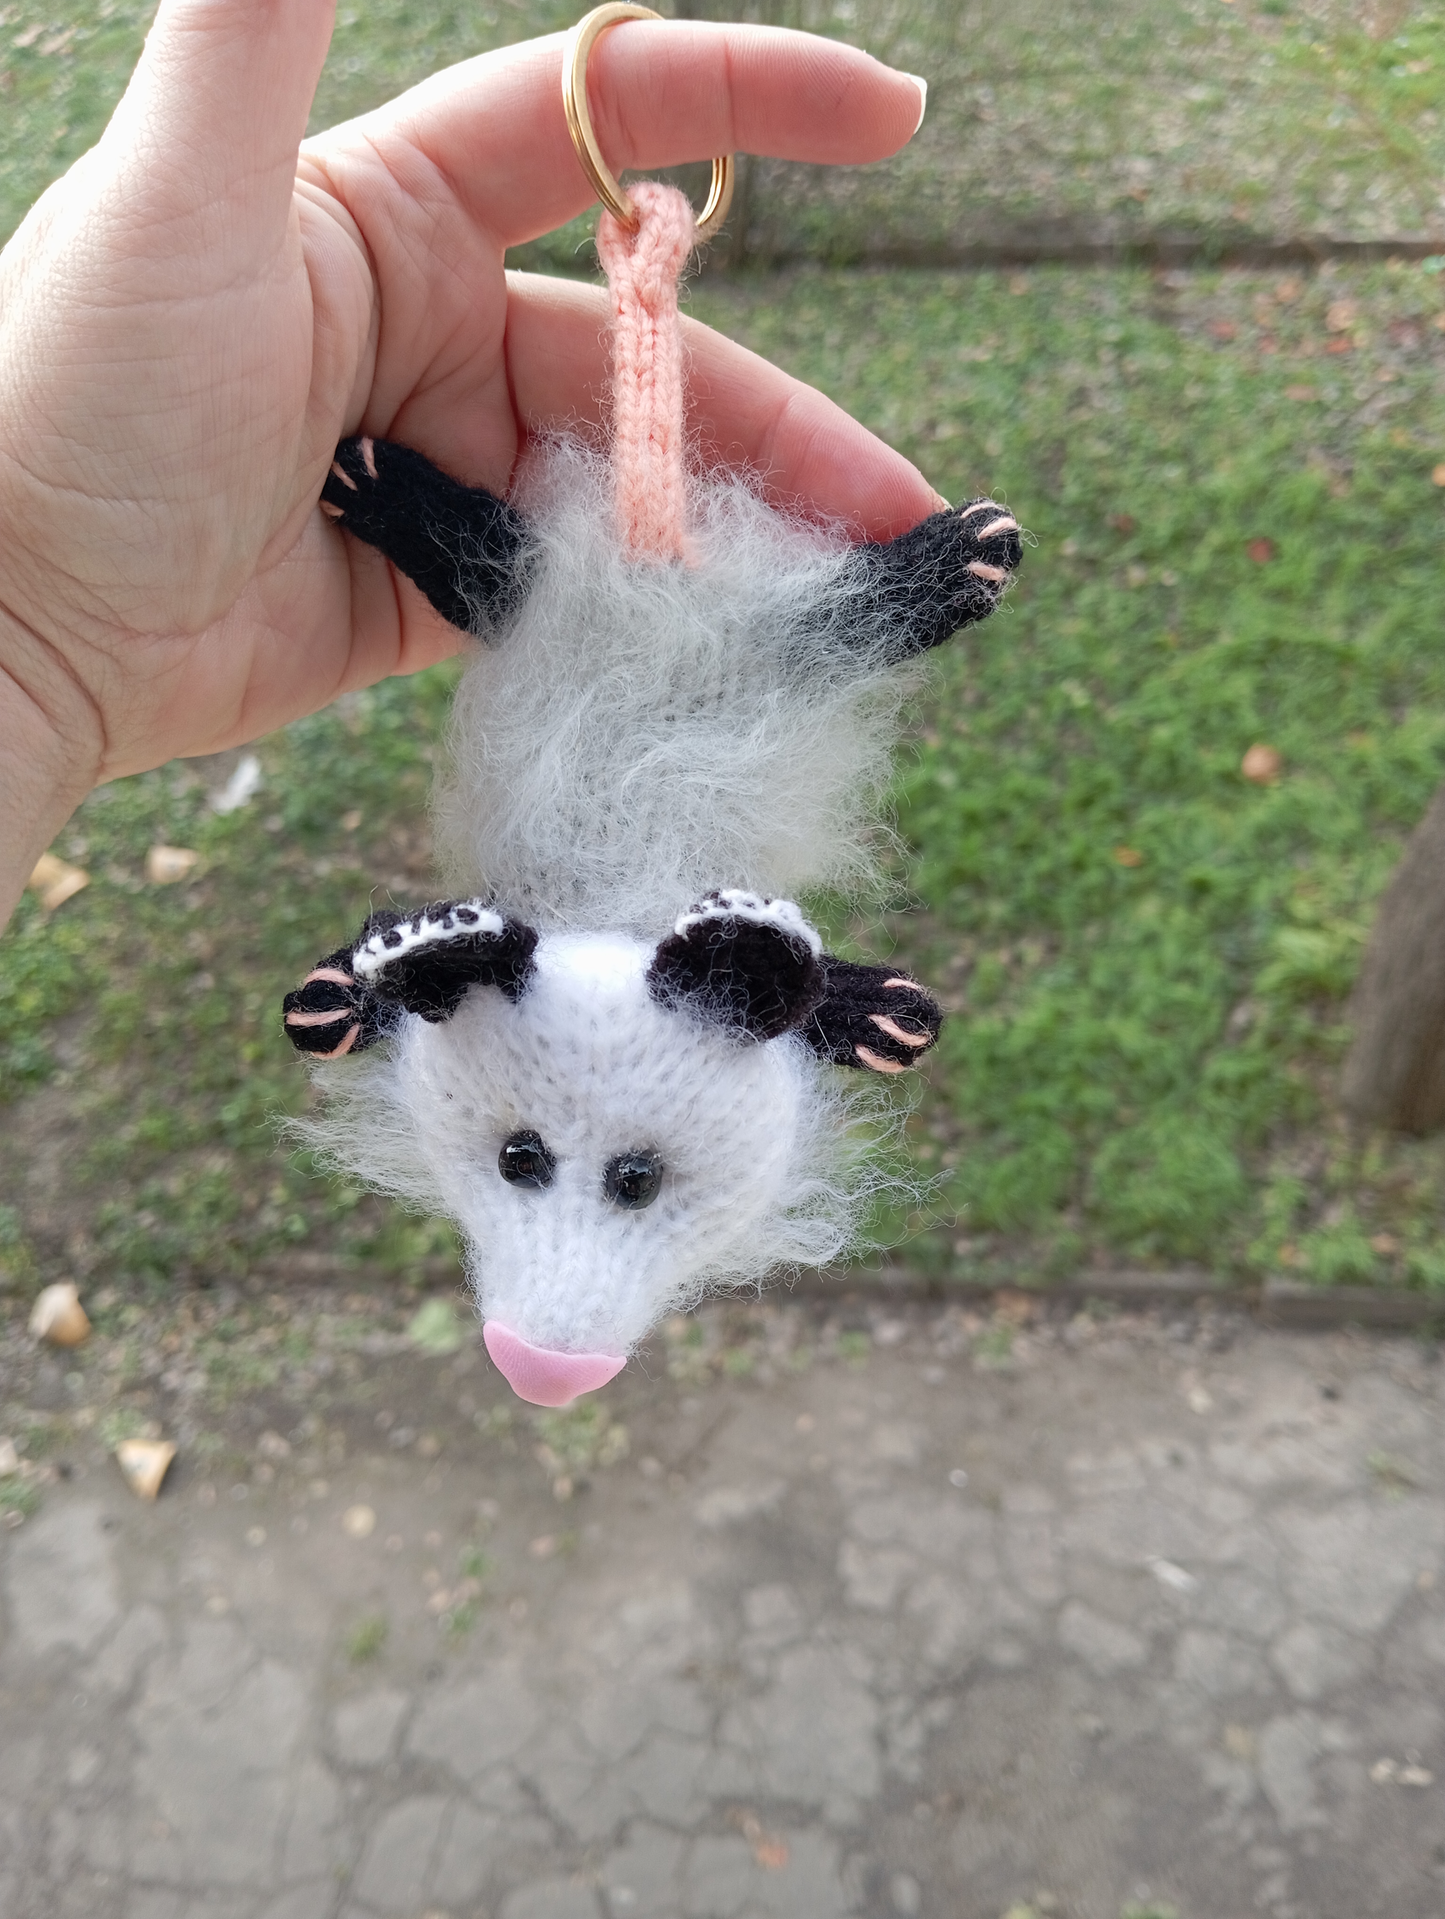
x=1147 y=1618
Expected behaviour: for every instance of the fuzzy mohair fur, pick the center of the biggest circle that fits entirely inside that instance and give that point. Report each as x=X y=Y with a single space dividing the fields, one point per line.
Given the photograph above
x=637 y=734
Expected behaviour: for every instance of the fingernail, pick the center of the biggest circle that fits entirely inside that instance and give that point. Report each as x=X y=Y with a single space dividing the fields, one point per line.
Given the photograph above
x=922 y=86
x=940 y=504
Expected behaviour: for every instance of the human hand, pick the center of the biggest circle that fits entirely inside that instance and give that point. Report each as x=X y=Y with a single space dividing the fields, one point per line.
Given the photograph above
x=194 y=315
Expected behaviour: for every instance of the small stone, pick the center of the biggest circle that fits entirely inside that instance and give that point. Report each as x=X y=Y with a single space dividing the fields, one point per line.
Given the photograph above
x=1172 y=1576
x=358 y=1522
x=145 y=1463
x=256 y=1536
x=273 y=1447
x=58 y=1317
x=9 y=1459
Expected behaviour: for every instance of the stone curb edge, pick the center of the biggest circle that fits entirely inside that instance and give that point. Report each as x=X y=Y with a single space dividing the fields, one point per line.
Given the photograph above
x=1073 y=247
x=1278 y=1302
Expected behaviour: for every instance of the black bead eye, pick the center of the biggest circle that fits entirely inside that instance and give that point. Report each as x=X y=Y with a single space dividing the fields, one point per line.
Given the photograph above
x=633 y=1180
x=525 y=1161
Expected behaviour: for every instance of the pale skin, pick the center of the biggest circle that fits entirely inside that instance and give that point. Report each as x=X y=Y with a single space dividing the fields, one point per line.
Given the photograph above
x=205 y=304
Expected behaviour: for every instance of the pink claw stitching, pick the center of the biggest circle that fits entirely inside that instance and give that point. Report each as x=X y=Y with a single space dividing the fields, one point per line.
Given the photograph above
x=895 y=1031
x=877 y=1061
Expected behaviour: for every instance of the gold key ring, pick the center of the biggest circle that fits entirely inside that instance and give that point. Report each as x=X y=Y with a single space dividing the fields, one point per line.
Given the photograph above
x=579 y=44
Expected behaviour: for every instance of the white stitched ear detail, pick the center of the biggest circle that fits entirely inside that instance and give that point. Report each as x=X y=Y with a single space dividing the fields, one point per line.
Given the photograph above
x=734 y=903
x=463 y=921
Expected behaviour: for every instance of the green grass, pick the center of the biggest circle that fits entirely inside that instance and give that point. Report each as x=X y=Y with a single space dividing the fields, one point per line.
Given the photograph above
x=1147 y=958
x=366 y=1640
x=1049 y=121
x=1142 y=1056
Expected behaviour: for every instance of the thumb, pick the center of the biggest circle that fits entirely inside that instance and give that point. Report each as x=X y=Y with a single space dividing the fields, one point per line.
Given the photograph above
x=208 y=129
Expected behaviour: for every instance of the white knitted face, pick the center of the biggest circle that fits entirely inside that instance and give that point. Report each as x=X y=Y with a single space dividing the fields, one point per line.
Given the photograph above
x=588 y=1062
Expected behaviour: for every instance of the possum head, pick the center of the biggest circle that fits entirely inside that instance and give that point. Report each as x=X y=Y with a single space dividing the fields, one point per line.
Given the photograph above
x=613 y=1126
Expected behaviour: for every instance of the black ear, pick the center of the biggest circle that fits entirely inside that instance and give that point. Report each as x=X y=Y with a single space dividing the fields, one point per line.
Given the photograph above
x=427 y=963
x=461 y=545
x=949 y=571
x=423 y=963
x=873 y=1017
x=750 y=964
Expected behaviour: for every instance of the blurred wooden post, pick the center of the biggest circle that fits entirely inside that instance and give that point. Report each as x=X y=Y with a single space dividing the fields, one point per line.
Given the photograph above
x=1395 y=1073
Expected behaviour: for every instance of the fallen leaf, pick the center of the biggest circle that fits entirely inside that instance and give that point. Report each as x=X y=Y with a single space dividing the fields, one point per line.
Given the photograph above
x=1123 y=522
x=1341 y=315
x=1222 y=329
x=1341 y=344
x=1128 y=856
x=1287 y=291
x=28 y=38
x=1262 y=765
x=145 y=1463
x=58 y=1317
x=771 y=1854
x=1385 y=1244
x=1301 y=393
x=9 y=1459
x=1437 y=474
x=1260 y=551
x=350 y=821
x=56 y=881
x=358 y=1522
x=167 y=864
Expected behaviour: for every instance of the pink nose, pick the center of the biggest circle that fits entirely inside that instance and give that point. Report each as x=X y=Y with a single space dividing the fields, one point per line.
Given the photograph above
x=545 y=1378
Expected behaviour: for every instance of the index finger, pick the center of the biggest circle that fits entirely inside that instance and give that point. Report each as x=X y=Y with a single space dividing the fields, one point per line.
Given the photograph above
x=661 y=93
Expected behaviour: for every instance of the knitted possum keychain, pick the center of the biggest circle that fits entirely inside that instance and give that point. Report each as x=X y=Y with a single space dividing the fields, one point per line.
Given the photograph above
x=613 y=1058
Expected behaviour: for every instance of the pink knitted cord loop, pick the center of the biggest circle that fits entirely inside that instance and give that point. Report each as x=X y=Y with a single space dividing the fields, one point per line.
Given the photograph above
x=642 y=273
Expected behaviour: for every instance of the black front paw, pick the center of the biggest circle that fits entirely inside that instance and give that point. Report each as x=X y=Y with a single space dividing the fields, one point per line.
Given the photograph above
x=461 y=545
x=332 y=1012
x=872 y=1017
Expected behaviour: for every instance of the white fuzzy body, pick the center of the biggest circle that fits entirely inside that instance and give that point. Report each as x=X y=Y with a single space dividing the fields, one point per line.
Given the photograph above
x=633 y=737
x=641 y=733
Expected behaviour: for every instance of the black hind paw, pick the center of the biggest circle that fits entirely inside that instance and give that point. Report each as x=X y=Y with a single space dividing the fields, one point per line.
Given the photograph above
x=460 y=544
x=948 y=572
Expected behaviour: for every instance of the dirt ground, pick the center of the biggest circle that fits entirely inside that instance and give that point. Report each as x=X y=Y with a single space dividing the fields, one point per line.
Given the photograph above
x=857 y=1611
